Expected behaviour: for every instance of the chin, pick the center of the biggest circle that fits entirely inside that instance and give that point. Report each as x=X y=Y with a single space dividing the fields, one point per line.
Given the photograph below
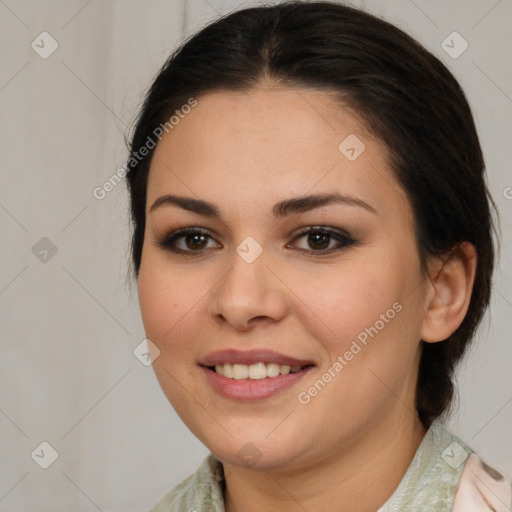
x=252 y=456
x=256 y=450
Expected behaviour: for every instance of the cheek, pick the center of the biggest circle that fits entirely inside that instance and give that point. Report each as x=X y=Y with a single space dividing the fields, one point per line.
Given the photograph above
x=167 y=309
x=371 y=346
x=374 y=324
x=172 y=299
x=344 y=302
x=163 y=301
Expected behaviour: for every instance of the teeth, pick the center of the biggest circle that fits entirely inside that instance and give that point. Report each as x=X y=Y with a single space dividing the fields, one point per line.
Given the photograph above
x=273 y=369
x=257 y=371
x=228 y=370
x=254 y=371
x=240 y=371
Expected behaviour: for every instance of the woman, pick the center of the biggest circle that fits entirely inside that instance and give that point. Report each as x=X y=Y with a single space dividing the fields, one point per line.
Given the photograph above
x=313 y=248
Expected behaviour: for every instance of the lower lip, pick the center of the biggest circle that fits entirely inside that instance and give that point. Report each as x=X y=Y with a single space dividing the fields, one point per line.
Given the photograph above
x=252 y=389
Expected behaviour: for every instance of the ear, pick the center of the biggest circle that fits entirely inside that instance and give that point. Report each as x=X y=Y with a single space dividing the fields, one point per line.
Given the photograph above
x=451 y=284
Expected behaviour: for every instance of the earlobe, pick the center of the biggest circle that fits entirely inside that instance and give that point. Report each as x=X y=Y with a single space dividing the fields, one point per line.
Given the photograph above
x=451 y=284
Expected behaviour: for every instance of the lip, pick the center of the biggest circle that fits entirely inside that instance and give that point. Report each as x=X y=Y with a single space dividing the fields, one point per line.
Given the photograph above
x=252 y=389
x=231 y=356
x=249 y=390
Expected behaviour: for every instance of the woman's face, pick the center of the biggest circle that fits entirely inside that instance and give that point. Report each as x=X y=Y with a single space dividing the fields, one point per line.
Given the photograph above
x=344 y=303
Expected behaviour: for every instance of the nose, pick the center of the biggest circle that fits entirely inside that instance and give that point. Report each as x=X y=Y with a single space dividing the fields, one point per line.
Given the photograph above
x=249 y=294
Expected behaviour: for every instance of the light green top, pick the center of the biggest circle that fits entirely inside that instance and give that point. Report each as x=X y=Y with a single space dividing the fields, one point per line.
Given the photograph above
x=429 y=483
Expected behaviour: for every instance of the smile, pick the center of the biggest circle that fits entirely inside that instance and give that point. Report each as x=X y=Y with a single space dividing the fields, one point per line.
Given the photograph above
x=252 y=375
x=254 y=371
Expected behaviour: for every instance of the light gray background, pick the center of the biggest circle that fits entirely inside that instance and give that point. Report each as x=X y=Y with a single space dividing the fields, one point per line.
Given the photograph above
x=68 y=375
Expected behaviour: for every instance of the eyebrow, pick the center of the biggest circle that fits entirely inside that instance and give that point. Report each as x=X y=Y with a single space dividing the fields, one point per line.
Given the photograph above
x=284 y=208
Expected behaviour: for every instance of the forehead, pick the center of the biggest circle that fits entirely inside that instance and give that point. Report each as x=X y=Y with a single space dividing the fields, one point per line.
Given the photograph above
x=269 y=143
x=294 y=115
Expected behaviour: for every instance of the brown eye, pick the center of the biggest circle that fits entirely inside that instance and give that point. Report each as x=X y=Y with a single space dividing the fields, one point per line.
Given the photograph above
x=195 y=241
x=187 y=240
x=320 y=240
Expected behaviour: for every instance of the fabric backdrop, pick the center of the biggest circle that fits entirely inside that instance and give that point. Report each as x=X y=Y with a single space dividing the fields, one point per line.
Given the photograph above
x=72 y=77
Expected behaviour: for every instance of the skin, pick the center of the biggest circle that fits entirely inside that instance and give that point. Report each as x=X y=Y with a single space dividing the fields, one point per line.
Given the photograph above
x=245 y=151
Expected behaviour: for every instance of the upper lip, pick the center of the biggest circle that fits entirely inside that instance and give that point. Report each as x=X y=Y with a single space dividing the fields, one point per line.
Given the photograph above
x=232 y=356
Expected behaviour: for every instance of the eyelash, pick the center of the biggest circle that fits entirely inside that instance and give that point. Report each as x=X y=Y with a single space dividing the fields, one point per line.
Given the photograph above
x=344 y=240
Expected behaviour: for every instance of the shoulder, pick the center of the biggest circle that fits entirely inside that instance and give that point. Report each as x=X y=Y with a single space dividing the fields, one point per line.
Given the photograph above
x=479 y=487
x=203 y=490
x=482 y=488
x=447 y=475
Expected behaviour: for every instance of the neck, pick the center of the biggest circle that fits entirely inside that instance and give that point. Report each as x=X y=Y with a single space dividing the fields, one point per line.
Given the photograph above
x=359 y=478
